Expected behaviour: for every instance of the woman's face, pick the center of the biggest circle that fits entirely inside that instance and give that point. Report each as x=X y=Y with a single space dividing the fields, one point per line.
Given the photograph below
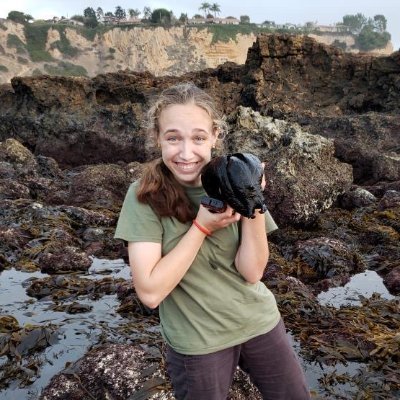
x=186 y=137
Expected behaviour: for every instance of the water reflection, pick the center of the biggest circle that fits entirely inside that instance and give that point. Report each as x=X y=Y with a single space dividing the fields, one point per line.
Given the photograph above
x=364 y=284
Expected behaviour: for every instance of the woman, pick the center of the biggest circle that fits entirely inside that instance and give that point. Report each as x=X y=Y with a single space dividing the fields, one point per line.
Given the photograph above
x=203 y=269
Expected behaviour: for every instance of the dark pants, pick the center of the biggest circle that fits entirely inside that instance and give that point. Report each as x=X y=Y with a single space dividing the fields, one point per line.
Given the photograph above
x=269 y=360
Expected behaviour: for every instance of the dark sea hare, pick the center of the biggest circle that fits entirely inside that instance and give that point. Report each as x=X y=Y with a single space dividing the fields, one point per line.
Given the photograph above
x=236 y=180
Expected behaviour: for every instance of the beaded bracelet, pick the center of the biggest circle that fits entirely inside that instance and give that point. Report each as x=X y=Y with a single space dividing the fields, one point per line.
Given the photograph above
x=202 y=229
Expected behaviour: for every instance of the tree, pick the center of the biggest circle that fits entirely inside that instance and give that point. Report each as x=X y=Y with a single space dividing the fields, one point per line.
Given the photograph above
x=99 y=13
x=161 y=16
x=89 y=13
x=355 y=23
x=90 y=19
x=380 y=23
x=20 y=17
x=215 y=8
x=109 y=14
x=120 y=13
x=133 y=12
x=147 y=13
x=244 y=19
x=368 y=39
x=205 y=7
x=183 y=18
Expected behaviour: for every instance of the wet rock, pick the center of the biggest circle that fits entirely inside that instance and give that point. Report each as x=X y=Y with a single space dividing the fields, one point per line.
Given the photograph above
x=65 y=259
x=391 y=199
x=114 y=371
x=357 y=197
x=392 y=281
x=303 y=177
x=99 y=186
x=328 y=257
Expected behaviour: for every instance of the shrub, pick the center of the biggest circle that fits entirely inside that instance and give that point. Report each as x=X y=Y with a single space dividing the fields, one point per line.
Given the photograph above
x=63 y=45
x=3 y=68
x=16 y=42
x=36 y=37
x=65 y=68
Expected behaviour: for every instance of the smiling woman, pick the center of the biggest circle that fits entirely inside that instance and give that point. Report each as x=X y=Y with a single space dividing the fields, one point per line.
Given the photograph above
x=203 y=269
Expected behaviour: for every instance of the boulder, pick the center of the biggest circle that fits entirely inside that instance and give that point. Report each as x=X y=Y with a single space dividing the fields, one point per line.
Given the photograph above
x=303 y=176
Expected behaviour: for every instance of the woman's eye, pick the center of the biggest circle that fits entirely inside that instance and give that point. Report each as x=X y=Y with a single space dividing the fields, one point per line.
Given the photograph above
x=199 y=139
x=172 y=139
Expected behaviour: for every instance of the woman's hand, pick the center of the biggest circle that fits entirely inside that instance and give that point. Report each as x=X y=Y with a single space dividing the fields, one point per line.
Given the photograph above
x=215 y=221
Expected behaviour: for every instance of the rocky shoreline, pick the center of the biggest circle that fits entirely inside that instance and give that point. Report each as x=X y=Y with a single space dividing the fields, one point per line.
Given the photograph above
x=327 y=126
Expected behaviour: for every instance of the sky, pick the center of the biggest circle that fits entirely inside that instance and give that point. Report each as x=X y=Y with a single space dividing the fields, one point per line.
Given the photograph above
x=279 y=11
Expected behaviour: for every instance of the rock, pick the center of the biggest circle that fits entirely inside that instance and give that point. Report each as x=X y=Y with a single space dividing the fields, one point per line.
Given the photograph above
x=114 y=371
x=22 y=160
x=328 y=257
x=303 y=177
x=392 y=281
x=64 y=259
x=99 y=186
x=390 y=199
x=357 y=197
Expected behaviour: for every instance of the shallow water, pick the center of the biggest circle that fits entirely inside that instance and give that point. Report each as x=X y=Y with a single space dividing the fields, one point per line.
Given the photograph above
x=363 y=284
x=80 y=331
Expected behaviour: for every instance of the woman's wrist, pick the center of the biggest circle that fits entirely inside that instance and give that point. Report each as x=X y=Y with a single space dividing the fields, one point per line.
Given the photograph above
x=201 y=228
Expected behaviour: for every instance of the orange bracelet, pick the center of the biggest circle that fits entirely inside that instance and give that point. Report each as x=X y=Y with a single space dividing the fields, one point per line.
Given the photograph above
x=202 y=229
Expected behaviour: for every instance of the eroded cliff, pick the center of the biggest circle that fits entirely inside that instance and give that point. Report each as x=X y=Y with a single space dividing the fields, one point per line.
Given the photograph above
x=69 y=51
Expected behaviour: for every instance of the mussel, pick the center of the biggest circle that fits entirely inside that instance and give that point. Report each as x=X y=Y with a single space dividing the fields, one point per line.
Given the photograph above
x=236 y=180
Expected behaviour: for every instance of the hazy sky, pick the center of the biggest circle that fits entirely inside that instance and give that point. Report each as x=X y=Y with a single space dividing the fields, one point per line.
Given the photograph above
x=280 y=11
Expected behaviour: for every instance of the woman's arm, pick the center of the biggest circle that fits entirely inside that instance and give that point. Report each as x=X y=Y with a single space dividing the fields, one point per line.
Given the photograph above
x=154 y=276
x=252 y=255
x=253 y=252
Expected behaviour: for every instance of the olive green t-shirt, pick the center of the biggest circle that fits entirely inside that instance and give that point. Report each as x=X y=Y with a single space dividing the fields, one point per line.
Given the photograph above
x=213 y=307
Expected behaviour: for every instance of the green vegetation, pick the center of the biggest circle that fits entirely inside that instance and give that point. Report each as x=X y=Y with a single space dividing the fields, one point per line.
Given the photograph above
x=161 y=16
x=224 y=33
x=3 y=27
x=3 y=68
x=368 y=39
x=63 y=45
x=19 y=17
x=16 y=42
x=36 y=37
x=64 y=68
x=370 y=33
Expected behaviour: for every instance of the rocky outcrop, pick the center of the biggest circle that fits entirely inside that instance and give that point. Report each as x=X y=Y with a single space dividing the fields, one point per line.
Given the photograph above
x=351 y=99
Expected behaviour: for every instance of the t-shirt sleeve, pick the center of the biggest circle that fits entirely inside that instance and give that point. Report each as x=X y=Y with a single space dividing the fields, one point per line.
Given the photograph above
x=138 y=222
x=270 y=224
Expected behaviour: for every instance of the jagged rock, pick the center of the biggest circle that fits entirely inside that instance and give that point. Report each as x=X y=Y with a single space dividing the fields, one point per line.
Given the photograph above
x=303 y=177
x=369 y=142
x=357 y=197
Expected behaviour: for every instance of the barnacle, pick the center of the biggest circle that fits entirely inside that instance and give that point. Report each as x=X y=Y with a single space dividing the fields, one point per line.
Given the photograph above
x=236 y=180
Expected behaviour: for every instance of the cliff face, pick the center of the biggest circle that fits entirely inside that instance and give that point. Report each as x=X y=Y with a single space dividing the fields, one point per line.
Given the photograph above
x=160 y=51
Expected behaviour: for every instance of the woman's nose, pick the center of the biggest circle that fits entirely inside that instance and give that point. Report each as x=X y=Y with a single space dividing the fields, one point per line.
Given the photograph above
x=186 y=150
